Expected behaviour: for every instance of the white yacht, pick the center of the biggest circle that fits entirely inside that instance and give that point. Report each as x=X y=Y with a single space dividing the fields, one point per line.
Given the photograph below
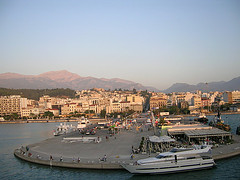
x=174 y=161
x=63 y=128
x=83 y=123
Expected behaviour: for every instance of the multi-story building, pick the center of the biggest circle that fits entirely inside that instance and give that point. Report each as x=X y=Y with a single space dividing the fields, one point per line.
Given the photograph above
x=12 y=104
x=157 y=102
x=231 y=97
x=115 y=106
x=227 y=97
x=235 y=97
x=196 y=101
x=30 y=112
x=136 y=107
x=205 y=102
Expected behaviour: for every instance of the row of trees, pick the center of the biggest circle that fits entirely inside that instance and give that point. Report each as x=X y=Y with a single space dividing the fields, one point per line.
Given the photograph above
x=103 y=114
x=172 y=110
x=16 y=116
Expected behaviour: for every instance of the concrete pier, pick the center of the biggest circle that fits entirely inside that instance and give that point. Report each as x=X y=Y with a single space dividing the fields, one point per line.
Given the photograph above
x=90 y=155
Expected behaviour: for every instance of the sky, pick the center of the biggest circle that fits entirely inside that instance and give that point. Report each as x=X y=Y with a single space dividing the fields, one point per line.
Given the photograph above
x=153 y=42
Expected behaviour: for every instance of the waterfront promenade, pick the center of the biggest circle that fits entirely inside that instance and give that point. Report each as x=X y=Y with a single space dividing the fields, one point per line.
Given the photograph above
x=117 y=149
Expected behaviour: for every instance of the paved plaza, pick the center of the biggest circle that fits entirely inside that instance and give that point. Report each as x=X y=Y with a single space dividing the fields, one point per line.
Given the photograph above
x=78 y=151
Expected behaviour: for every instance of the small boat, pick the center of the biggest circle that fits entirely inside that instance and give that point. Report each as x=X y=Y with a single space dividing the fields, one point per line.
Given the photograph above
x=219 y=123
x=83 y=123
x=63 y=129
x=174 y=161
x=202 y=118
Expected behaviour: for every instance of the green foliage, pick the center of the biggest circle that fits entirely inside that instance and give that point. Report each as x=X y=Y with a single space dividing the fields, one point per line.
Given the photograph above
x=184 y=111
x=89 y=112
x=172 y=110
x=134 y=91
x=225 y=107
x=35 y=94
x=103 y=113
x=13 y=116
x=122 y=114
x=48 y=114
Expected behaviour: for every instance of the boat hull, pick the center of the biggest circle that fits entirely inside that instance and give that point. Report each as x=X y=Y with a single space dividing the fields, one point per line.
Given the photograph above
x=170 y=167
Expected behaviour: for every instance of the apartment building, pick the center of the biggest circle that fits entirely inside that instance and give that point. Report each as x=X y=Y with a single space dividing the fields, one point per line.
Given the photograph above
x=227 y=97
x=235 y=97
x=157 y=102
x=196 y=101
x=205 y=102
x=12 y=104
x=31 y=111
x=231 y=97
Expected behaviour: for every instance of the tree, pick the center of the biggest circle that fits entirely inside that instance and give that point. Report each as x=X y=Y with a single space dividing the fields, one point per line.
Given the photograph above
x=103 y=113
x=134 y=91
x=13 y=116
x=48 y=114
x=89 y=112
x=174 y=110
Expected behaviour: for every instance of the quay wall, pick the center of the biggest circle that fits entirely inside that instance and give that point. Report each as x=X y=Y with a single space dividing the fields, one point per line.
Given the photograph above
x=225 y=156
x=47 y=121
x=90 y=165
x=102 y=165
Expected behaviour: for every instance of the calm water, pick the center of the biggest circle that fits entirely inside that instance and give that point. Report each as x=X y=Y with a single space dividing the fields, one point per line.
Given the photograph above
x=14 y=135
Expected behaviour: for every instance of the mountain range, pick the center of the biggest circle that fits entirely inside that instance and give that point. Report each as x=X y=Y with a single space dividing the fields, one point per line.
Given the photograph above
x=65 y=79
x=231 y=85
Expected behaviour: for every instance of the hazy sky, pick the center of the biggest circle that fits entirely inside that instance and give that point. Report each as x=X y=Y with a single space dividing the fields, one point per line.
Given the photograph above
x=152 y=42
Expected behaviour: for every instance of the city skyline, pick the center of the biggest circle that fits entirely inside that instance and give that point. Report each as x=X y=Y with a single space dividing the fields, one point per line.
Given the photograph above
x=155 y=43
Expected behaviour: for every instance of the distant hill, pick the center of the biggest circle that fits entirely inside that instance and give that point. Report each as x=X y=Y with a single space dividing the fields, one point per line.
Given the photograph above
x=231 y=85
x=37 y=93
x=65 y=79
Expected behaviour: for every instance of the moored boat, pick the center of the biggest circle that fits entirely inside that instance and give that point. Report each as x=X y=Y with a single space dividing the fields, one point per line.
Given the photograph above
x=218 y=122
x=202 y=118
x=238 y=130
x=63 y=128
x=83 y=123
x=174 y=161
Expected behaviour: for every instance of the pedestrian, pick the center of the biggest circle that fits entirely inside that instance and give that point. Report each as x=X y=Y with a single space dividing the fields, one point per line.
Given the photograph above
x=131 y=156
x=79 y=160
x=61 y=159
x=51 y=160
x=105 y=157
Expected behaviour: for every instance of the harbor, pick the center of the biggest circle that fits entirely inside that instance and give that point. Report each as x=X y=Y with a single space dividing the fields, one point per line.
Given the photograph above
x=13 y=136
x=107 y=151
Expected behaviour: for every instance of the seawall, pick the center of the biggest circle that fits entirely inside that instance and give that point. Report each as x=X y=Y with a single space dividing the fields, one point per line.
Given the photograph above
x=90 y=165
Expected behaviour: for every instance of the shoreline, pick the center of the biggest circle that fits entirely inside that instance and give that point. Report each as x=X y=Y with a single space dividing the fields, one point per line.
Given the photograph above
x=47 y=121
x=76 y=120
x=94 y=165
